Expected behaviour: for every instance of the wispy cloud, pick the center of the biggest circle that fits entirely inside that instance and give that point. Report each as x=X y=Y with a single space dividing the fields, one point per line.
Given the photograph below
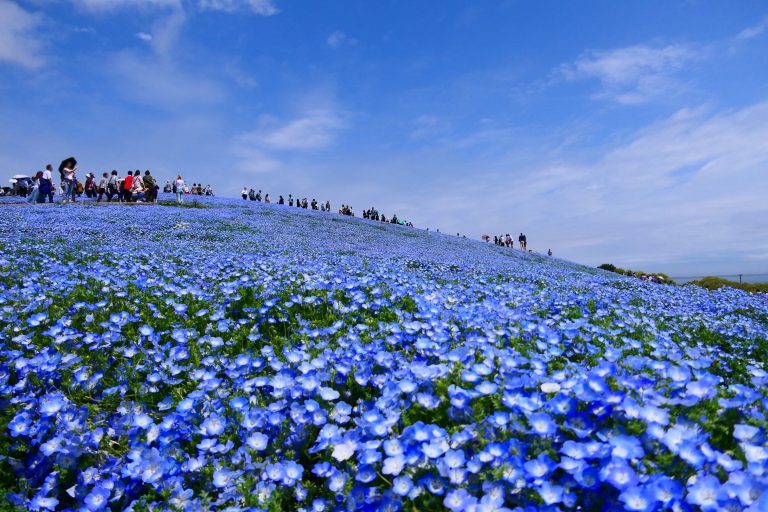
x=261 y=7
x=631 y=75
x=753 y=31
x=339 y=38
x=144 y=36
x=108 y=5
x=669 y=192
x=316 y=129
x=266 y=148
x=428 y=126
x=153 y=81
x=19 y=42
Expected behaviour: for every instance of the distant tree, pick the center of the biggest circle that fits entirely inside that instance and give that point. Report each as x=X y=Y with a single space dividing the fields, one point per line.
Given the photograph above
x=608 y=267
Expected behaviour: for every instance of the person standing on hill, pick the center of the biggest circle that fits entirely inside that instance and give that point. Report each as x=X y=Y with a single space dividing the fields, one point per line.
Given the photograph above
x=113 y=186
x=151 y=186
x=90 y=185
x=69 y=184
x=521 y=240
x=101 y=189
x=34 y=192
x=46 y=185
x=179 y=184
x=244 y=193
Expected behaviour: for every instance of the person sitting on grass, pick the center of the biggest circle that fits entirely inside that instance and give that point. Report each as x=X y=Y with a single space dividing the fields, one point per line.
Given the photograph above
x=138 y=190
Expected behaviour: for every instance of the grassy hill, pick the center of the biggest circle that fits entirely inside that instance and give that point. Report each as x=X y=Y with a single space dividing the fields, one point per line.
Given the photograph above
x=257 y=356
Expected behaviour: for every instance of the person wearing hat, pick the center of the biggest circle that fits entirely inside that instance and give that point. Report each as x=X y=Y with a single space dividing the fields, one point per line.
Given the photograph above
x=90 y=185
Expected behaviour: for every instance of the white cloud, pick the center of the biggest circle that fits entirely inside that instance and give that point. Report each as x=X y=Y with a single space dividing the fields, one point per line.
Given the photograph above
x=108 y=5
x=156 y=82
x=688 y=189
x=427 y=127
x=315 y=130
x=754 y=31
x=339 y=38
x=261 y=7
x=631 y=75
x=144 y=36
x=253 y=160
x=19 y=44
x=263 y=150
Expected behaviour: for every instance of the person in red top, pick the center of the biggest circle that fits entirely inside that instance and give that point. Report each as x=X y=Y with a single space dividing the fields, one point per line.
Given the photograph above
x=127 y=184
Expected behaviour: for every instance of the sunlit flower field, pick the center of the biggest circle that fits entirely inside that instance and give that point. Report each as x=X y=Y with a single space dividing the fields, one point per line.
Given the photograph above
x=231 y=355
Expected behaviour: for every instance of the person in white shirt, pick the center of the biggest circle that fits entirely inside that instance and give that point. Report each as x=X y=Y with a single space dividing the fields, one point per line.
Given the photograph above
x=69 y=184
x=245 y=193
x=180 y=186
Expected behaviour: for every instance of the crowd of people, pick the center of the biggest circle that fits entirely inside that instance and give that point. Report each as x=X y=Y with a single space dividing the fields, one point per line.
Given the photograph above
x=197 y=189
x=134 y=187
x=506 y=241
x=373 y=214
x=253 y=194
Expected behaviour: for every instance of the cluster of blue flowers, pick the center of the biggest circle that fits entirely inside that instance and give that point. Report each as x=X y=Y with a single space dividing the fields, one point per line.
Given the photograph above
x=248 y=357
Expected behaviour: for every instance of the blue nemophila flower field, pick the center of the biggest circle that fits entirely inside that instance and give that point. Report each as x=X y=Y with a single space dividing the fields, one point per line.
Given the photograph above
x=251 y=357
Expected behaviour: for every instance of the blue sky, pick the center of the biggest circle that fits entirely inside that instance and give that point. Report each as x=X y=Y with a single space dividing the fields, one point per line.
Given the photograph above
x=625 y=132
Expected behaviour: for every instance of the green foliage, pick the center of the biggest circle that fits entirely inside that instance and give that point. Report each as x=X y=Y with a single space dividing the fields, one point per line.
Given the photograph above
x=714 y=283
x=633 y=273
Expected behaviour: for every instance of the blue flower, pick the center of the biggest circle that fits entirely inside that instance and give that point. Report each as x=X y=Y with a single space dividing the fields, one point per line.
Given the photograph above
x=454 y=458
x=542 y=424
x=402 y=485
x=619 y=474
x=458 y=500
x=638 y=499
x=626 y=447
x=257 y=441
x=43 y=503
x=540 y=467
x=52 y=403
x=704 y=492
x=213 y=425
x=222 y=477
x=550 y=494
x=336 y=481
x=393 y=465
x=97 y=499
